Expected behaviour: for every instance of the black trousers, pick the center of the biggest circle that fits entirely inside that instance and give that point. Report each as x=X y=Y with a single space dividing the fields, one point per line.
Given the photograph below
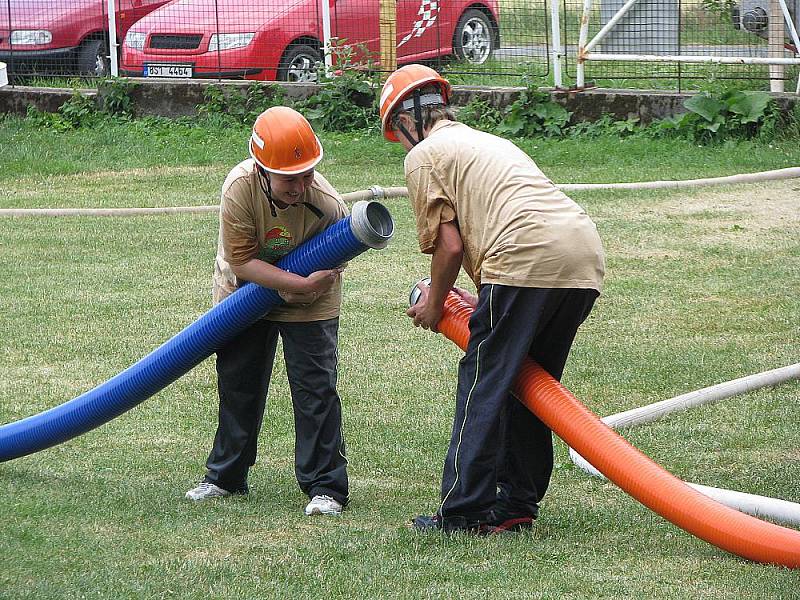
x=244 y=368
x=500 y=453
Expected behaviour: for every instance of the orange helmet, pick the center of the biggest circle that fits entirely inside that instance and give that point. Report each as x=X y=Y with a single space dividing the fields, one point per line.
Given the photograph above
x=400 y=84
x=283 y=142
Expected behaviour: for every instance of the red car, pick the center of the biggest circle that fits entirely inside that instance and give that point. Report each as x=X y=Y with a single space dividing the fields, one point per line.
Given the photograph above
x=64 y=36
x=282 y=39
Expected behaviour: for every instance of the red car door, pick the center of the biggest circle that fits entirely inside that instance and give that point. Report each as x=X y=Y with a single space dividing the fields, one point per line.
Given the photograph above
x=418 y=30
x=357 y=22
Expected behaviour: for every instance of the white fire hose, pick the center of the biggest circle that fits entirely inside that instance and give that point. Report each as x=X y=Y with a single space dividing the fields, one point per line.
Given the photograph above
x=759 y=506
x=378 y=193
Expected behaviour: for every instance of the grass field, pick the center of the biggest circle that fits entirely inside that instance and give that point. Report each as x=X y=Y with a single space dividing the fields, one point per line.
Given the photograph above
x=701 y=288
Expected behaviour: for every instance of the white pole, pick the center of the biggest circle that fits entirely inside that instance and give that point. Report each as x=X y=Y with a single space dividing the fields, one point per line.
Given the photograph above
x=558 y=52
x=793 y=33
x=582 y=37
x=790 y=24
x=610 y=25
x=326 y=36
x=722 y=60
x=112 y=37
x=775 y=45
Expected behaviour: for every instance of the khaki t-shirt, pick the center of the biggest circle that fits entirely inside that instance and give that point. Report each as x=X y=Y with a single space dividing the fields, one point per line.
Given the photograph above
x=517 y=228
x=248 y=230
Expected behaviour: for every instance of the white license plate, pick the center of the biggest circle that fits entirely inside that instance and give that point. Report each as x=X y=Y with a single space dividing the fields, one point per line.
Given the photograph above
x=168 y=71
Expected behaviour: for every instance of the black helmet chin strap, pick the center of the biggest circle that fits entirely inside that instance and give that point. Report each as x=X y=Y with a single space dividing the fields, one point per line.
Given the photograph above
x=419 y=100
x=418 y=115
x=407 y=135
x=266 y=188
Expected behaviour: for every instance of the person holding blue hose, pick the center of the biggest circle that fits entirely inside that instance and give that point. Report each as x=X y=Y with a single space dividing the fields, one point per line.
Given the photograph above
x=270 y=204
x=537 y=260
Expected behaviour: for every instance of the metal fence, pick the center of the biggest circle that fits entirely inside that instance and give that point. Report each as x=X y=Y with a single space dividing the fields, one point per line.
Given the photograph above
x=270 y=39
x=683 y=41
x=613 y=43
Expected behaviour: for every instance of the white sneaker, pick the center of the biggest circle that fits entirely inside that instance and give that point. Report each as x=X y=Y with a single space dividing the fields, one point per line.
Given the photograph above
x=323 y=505
x=206 y=490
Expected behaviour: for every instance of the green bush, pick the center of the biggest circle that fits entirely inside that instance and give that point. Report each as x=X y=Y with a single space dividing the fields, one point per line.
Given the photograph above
x=347 y=101
x=221 y=104
x=79 y=111
x=732 y=114
x=532 y=114
x=480 y=114
x=114 y=96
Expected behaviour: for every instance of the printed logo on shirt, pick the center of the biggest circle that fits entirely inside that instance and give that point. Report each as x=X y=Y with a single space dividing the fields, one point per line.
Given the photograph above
x=277 y=243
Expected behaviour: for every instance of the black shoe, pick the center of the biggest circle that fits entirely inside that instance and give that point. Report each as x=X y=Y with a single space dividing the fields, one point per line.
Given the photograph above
x=425 y=523
x=503 y=521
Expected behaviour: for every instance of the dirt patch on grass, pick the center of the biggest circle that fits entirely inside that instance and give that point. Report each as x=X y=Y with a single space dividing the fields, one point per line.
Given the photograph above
x=753 y=206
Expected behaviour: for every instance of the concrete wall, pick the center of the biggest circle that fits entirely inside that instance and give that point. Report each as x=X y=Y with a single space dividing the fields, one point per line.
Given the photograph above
x=181 y=98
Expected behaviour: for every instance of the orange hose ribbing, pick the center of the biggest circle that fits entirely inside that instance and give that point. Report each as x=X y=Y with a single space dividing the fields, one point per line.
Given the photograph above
x=631 y=470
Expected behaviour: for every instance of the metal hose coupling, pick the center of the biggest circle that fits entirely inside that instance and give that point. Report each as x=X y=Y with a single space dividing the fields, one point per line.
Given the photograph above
x=416 y=293
x=377 y=192
x=372 y=224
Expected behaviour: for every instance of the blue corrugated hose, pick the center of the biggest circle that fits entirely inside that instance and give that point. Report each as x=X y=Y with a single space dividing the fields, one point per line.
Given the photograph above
x=334 y=246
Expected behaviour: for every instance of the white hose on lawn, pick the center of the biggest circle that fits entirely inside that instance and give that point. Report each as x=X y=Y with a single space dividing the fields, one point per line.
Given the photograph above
x=788 y=173
x=714 y=393
x=377 y=193
x=373 y=193
x=759 y=506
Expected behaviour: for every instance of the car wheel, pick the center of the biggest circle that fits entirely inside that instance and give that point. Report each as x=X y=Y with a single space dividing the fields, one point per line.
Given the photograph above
x=299 y=64
x=93 y=59
x=473 y=39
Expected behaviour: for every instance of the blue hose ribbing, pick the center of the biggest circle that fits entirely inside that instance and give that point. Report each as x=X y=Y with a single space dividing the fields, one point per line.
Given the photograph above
x=176 y=356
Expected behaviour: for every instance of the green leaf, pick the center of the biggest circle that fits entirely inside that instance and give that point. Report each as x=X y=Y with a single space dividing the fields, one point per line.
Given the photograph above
x=749 y=105
x=705 y=106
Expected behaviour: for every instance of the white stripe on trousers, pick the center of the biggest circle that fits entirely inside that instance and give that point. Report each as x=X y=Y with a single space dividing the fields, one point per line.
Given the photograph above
x=469 y=399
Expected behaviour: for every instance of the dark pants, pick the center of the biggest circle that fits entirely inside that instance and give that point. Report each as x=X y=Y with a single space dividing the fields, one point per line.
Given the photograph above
x=244 y=367
x=501 y=454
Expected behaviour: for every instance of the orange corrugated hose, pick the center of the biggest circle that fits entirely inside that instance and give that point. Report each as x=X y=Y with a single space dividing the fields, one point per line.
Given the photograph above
x=631 y=470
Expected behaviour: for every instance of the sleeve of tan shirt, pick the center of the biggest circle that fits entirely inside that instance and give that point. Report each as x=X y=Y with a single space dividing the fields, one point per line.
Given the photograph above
x=431 y=205
x=237 y=225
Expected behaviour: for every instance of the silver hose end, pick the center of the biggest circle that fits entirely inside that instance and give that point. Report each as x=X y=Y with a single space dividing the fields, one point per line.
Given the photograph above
x=416 y=293
x=377 y=192
x=372 y=224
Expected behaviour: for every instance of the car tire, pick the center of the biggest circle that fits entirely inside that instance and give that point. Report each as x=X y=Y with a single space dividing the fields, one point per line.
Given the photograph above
x=92 y=59
x=299 y=64
x=474 y=37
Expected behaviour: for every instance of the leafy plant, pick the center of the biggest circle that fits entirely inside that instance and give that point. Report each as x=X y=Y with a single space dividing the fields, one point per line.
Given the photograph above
x=83 y=111
x=480 y=114
x=79 y=111
x=115 y=96
x=732 y=114
x=605 y=125
x=347 y=100
x=226 y=104
x=534 y=113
